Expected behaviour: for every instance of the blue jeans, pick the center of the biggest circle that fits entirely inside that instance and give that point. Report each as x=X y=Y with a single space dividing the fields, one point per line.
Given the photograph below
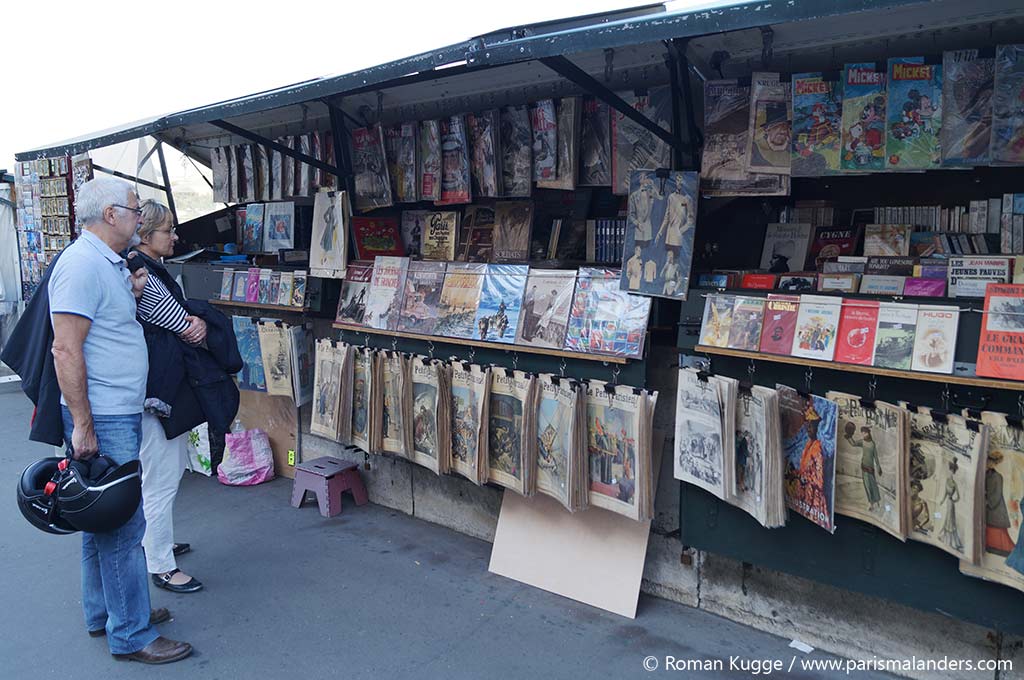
x=115 y=583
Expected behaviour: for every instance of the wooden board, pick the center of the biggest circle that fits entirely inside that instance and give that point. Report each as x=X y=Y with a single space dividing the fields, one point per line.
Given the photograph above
x=256 y=305
x=278 y=417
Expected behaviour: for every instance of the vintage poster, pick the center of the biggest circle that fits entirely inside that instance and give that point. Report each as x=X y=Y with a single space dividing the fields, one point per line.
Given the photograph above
x=771 y=127
x=484 y=153
x=546 y=305
x=620 y=475
x=251 y=377
x=438 y=235
x=634 y=147
x=395 y=397
x=428 y=176
x=326 y=390
x=513 y=221
x=460 y=297
x=471 y=387
x=1001 y=350
x=328 y=253
x=605 y=319
x=561 y=458
x=699 y=440
x=384 y=298
x=516 y=151
x=967 y=86
x=302 y=352
x=455 y=174
x=816 y=327
x=362 y=394
x=510 y=431
x=817 y=117
x=252 y=238
x=660 y=227
x=946 y=462
x=914 y=118
x=373 y=185
x=808 y=449
x=1002 y=557
x=595 y=143
x=501 y=297
x=935 y=338
x=1007 y=142
x=863 y=118
x=420 y=303
x=872 y=450
x=278 y=226
x=568 y=151
x=544 y=126
x=277 y=360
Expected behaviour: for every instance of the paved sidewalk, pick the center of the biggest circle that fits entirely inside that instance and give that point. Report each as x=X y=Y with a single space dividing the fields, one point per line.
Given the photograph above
x=371 y=593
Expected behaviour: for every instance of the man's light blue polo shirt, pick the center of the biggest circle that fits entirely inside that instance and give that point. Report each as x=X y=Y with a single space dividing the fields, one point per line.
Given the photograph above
x=91 y=280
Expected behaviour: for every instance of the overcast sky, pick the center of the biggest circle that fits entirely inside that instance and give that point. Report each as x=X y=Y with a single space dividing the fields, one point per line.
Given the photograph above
x=79 y=67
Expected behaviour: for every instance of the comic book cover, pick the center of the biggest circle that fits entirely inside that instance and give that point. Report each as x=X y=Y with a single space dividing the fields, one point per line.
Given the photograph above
x=1007 y=143
x=286 y=288
x=816 y=327
x=634 y=147
x=384 y=299
x=420 y=304
x=501 y=298
x=595 y=143
x=227 y=279
x=369 y=164
x=914 y=114
x=699 y=453
x=935 y=338
x=428 y=169
x=658 y=248
x=516 y=151
x=485 y=153
x=747 y=318
x=251 y=377
x=476 y=234
x=513 y=221
x=568 y=151
x=274 y=290
x=373 y=236
x=298 y=288
x=872 y=449
x=252 y=237
x=252 y=285
x=508 y=428
x=726 y=117
x=460 y=297
x=439 y=234
x=779 y=326
x=278 y=226
x=328 y=252
x=771 y=127
x=455 y=172
x=546 y=305
x=863 y=118
x=471 y=385
x=241 y=283
x=544 y=126
x=809 y=451
x=263 y=294
x=717 y=322
x=817 y=119
x=967 y=87
x=401 y=155
x=362 y=395
x=354 y=289
x=605 y=319
x=855 y=337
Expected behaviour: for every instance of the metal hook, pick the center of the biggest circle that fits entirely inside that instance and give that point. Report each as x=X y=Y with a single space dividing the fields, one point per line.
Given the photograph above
x=430 y=348
x=561 y=369
x=808 y=378
x=515 y=361
x=872 y=386
x=1020 y=405
x=366 y=339
x=945 y=397
x=615 y=374
x=394 y=344
x=472 y=354
x=751 y=370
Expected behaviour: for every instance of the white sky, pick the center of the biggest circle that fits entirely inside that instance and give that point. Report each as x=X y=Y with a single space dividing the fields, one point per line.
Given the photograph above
x=80 y=67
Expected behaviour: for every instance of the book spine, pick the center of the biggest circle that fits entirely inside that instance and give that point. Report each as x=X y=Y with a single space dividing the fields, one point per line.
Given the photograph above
x=591 y=240
x=1018 y=234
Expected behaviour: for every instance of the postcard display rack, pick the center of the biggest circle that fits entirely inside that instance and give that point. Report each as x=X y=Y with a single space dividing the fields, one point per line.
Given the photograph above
x=858 y=556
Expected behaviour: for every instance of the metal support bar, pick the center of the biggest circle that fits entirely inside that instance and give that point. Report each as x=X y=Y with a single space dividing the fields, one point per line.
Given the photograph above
x=147 y=156
x=339 y=135
x=695 y=140
x=571 y=71
x=130 y=178
x=291 y=153
x=167 y=180
x=673 y=74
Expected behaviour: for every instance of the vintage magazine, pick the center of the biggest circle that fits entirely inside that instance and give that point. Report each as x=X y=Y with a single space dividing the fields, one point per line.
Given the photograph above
x=304 y=172
x=302 y=354
x=561 y=441
x=373 y=185
x=595 y=143
x=460 y=297
x=872 y=454
x=863 y=118
x=1001 y=352
x=221 y=175
x=227 y=280
x=817 y=116
x=471 y=388
x=476 y=234
x=771 y=127
x=332 y=377
x=716 y=325
x=248 y=187
x=967 y=83
x=501 y=297
x=935 y=338
x=298 y=288
x=428 y=168
x=635 y=147
x=328 y=248
x=261 y=163
x=544 y=126
x=420 y=304
x=439 y=236
x=516 y=151
x=276 y=175
x=512 y=435
x=414 y=226
x=700 y=446
x=252 y=237
x=362 y=396
x=779 y=325
x=485 y=156
x=384 y=299
x=429 y=416
x=1007 y=143
x=1002 y=557
x=758 y=460
x=286 y=287
x=251 y=377
x=568 y=151
x=658 y=248
x=914 y=114
x=816 y=327
x=808 y=449
x=264 y=287
x=395 y=397
x=401 y=149
x=947 y=461
x=277 y=360
x=352 y=302
x=278 y=226
x=513 y=221
x=455 y=174
x=546 y=304
x=605 y=319
x=288 y=168
x=747 y=319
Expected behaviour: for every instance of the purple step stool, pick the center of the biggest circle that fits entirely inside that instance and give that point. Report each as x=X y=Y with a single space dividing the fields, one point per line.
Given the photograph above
x=328 y=478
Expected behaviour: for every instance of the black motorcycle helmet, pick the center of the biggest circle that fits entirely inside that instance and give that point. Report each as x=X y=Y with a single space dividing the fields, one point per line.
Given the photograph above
x=62 y=495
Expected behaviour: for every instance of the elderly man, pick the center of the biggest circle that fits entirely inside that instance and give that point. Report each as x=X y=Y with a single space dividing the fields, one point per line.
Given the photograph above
x=101 y=364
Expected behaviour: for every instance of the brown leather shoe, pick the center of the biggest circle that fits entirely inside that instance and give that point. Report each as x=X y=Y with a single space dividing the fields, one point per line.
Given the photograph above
x=160 y=650
x=156 y=616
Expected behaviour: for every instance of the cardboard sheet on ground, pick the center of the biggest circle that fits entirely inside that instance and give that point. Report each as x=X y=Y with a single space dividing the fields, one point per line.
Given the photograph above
x=595 y=556
x=278 y=417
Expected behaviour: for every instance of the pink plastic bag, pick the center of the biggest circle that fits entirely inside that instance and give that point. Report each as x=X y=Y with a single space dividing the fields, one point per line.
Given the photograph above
x=248 y=459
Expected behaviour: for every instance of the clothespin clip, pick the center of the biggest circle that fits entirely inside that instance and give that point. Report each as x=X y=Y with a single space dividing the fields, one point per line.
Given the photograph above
x=561 y=368
x=939 y=416
x=615 y=374
x=394 y=344
x=945 y=397
x=430 y=349
x=515 y=361
x=472 y=354
x=808 y=378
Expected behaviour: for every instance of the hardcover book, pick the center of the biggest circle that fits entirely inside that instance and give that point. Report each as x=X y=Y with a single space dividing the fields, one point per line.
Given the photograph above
x=968 y=276
x=816 y=327
x=919 y=287
x=512 y=223
x=759 y=281
x=858 y=325
x=832 y=242
x=887 y=240
x=935 y=339
x=439 y=236
x=879 y=284
x=1001 y=351
x=817 y=117
x=717 y=323
x=863 y=118
x=914 y=118
x=476 y=234
x=894 y=340
x=785 y=247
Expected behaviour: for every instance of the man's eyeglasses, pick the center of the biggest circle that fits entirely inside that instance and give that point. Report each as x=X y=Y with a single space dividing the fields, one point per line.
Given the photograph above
x=137 y=211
